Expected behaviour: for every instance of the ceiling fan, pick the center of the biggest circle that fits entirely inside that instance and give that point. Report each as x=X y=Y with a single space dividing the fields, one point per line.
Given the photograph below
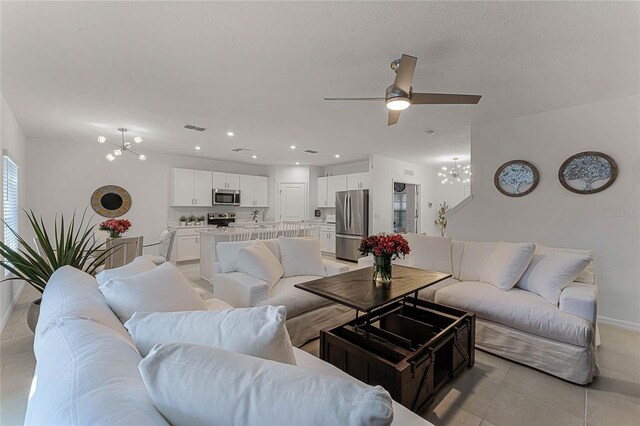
x=399 y=96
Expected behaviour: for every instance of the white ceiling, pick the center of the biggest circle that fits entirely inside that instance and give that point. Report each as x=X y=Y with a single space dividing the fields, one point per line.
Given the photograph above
x=76 y=70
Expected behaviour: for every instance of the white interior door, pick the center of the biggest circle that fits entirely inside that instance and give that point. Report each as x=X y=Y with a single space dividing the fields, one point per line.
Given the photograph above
x=292 y=201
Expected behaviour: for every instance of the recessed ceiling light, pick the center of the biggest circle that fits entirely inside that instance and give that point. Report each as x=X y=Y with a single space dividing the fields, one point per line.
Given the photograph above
x=254 y=156
x=292 y=147
x=102 y=139
x=337 y=155
x=198 y=148
x=297 y=163
x=230 y=133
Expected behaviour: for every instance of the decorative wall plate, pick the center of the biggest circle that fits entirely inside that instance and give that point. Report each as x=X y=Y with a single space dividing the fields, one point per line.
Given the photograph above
x=588 y=172
x=111 y=201
x=516 y=178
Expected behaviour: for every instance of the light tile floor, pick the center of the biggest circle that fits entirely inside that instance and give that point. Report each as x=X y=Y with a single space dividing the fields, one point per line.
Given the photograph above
x=494 y=392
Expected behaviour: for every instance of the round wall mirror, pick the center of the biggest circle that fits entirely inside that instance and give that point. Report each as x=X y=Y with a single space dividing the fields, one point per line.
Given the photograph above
x=111 y=201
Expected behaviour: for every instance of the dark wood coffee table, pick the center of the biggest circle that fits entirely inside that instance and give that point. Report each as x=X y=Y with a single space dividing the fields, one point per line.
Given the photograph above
x=357 y=289
x=410 y=347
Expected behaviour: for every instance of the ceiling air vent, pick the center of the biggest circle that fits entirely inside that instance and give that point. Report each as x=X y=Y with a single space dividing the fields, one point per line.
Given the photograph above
x=310 y=151
x=408 y=172
x=196 y=128
x=240 y=150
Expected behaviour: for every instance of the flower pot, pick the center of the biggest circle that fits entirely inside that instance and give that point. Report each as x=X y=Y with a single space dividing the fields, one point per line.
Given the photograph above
x=382 y=269
x=32 y=314
x=183 y=223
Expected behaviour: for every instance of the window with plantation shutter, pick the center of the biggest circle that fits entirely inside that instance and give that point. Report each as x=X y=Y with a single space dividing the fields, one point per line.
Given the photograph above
x=10 y=201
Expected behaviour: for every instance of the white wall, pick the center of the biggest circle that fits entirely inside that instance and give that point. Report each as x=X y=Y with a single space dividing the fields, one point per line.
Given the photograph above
x=385 y=171
x=345 y=169
x=607 y=222
x=65 y=174
x=13 y=140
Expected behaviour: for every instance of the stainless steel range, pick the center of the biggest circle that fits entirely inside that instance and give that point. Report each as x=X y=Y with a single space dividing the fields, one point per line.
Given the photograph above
x=221 y=219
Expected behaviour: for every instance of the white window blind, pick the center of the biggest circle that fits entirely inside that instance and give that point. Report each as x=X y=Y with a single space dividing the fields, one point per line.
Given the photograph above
x=10 y=201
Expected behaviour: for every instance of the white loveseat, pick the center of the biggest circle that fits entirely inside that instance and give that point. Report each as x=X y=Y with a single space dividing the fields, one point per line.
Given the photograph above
x=515 y=324
x=307 y=313
x=87 y=364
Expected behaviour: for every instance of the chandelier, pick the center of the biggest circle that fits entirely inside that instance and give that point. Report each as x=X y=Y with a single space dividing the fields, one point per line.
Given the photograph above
x=457 y=173
x=124 y=147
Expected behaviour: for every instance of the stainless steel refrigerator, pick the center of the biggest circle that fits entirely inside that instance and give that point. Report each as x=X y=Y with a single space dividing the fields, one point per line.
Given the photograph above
x=352 y=222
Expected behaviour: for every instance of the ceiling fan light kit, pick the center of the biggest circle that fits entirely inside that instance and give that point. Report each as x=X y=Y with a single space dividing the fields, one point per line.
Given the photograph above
x=399 y=96
x=123 y=147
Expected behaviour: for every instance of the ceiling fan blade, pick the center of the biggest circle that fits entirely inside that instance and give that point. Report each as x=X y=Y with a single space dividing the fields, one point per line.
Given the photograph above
x=393 y=117
x=404 y=75
x=443 y=98
x=354 y=99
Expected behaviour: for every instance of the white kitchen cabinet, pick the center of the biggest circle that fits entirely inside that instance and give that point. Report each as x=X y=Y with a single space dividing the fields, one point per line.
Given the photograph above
x=328 y=239
x=335 y=184
x=202 y=185
x=261 y=193
x=358 y=181
x=254 y=191
x=223 y=180
x=190 y=187
x=187 y=245
x=327 y=188
x=322 y=192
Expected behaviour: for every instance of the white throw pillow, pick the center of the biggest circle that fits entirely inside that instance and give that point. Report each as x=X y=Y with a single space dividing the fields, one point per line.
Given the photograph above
x=506 y=264
x=258 y=332
x=139 y=265
x=163 y=289
x=548 y=275
x=301 y=256
x=197 y=385
x=432 y=253
x=227 y=254
x=474 y=256
x=258 y=261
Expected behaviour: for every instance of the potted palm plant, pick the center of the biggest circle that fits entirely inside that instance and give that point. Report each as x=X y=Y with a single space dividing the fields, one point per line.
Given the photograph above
x=72 y=244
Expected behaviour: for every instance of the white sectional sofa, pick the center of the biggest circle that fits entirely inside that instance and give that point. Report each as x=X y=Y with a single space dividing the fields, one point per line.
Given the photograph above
x=307 y=314
x=560 y=339
x=87 y=364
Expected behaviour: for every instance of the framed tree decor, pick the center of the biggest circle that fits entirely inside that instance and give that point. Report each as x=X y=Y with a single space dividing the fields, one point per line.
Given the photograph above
x=588 y=172
x=516 y=178
x=111 y=201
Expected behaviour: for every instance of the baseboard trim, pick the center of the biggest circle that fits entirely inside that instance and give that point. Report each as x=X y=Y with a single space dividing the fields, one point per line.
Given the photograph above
x=7 y=314
x=628 y=325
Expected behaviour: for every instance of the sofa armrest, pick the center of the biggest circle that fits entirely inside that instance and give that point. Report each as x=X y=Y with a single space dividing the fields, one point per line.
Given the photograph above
x=365 y=262
x=334 y=268
x=240 y=290
x=201 y=293
x=580 y=300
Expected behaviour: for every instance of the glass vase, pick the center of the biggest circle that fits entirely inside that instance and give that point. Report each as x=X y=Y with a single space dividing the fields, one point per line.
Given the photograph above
x=382 y=269
x=114 y=234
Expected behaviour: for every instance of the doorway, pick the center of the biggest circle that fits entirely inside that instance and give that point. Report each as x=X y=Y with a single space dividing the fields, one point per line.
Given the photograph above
x=406 y=208
x=292 y=201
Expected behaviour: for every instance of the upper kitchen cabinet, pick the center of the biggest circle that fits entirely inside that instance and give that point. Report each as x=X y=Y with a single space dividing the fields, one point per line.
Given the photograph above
x=358 y=181
x=327 y=188
x=226 y=181
x=335 y=184
x=322 y=192
x=191 y=188
x=254 y=191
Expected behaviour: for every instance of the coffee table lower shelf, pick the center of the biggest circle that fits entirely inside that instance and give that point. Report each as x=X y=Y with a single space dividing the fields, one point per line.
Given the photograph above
x=411 y=349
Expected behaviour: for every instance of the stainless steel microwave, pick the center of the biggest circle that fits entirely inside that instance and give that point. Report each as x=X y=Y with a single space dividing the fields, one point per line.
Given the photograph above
x=226 y=197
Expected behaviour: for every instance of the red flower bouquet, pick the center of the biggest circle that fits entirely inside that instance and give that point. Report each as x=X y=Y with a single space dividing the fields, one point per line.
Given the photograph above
x=115 y=227
x=385 y=248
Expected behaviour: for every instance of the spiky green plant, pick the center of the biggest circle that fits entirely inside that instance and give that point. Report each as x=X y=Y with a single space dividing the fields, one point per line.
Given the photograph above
x=71 y=245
